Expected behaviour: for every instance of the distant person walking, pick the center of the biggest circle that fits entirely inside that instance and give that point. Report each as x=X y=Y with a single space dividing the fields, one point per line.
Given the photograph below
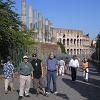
x=61 y=67
x=8 y=70
x=38 y=82
x=52 y=72
x=26 y=73
x=1 y=68
x=85 y=66
x=74 y=64
x=67 y=65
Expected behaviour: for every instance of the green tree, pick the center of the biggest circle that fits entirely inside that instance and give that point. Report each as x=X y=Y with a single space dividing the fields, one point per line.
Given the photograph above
x=11 y=36
x=62 y=47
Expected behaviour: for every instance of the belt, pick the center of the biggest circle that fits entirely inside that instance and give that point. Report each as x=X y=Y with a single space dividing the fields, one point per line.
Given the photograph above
x=26 y=75
x=52 y=70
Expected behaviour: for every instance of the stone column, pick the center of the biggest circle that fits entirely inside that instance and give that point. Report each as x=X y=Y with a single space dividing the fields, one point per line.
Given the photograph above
x=30 y=18
x=23 y=15
x=40 y=27
x=43 y=29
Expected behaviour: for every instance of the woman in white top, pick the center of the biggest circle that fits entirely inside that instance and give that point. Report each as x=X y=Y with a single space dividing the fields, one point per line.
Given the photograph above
x=85 y=66
x=61 y=67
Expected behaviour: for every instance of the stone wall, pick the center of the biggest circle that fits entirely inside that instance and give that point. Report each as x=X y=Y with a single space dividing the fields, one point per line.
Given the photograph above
x=43 y=49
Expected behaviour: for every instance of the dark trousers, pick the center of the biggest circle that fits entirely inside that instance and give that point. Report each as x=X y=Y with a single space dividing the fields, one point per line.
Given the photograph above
x=73 y=73
x=51 y=75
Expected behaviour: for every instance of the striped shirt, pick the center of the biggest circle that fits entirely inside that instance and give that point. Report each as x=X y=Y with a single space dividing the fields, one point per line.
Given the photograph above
x=8 y=70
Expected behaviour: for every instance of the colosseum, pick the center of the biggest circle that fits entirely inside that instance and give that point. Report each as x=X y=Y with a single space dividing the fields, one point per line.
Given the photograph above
x=75 y=41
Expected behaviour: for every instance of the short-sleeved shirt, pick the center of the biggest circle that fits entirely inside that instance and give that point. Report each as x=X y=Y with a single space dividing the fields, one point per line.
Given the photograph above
x=74 y=63
x=25 y=68
x=36 y=63
x=8 y=70
x=51 y=64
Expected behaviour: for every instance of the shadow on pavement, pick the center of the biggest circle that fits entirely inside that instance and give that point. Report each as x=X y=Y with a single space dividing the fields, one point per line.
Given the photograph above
x=94 y=77
x=87 y=90
x=32 y=91
x=63 y=96
x=92 y=80
x=94 y=71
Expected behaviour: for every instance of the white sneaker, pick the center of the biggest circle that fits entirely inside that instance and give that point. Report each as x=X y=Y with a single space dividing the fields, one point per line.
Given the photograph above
x=48 y=93
x=62 y=74
x=55 y=93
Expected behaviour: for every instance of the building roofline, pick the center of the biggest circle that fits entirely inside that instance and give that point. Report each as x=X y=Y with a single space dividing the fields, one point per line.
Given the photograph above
x=67 y=29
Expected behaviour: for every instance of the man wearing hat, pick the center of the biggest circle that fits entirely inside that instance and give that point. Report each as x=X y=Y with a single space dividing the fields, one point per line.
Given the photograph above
x=39 y=83
x=26 y=72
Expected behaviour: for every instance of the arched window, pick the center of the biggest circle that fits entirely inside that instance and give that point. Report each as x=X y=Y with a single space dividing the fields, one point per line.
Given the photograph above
x=74 y=51
x=80 y=51
x=67 y=41
x=77 y=51
x=63 y=41
x=77 y=42
x=67 y=51
x=71 y=41
x=74 y=41
x=80 y=42
x=71 y=51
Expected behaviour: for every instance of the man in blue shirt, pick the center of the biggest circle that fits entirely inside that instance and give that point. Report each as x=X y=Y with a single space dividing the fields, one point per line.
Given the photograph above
x=8 y=74
x=52 y=72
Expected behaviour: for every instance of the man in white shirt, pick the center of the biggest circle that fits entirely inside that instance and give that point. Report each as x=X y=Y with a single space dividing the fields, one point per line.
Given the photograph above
x=74 y=64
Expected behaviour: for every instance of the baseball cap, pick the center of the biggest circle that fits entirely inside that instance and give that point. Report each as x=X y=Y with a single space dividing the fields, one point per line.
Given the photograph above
x=25 y=57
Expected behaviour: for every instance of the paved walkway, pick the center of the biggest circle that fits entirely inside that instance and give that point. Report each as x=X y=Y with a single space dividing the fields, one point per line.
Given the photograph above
x=67 y=89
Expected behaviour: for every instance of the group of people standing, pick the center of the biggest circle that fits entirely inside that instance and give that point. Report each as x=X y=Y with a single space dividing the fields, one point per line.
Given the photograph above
x=34 y=71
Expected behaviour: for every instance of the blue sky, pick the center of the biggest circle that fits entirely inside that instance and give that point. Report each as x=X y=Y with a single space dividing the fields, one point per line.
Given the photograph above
x=70 y=14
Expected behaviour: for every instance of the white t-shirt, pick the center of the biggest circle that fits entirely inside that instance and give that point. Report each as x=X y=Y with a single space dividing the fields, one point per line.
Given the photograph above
x=74 y=63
